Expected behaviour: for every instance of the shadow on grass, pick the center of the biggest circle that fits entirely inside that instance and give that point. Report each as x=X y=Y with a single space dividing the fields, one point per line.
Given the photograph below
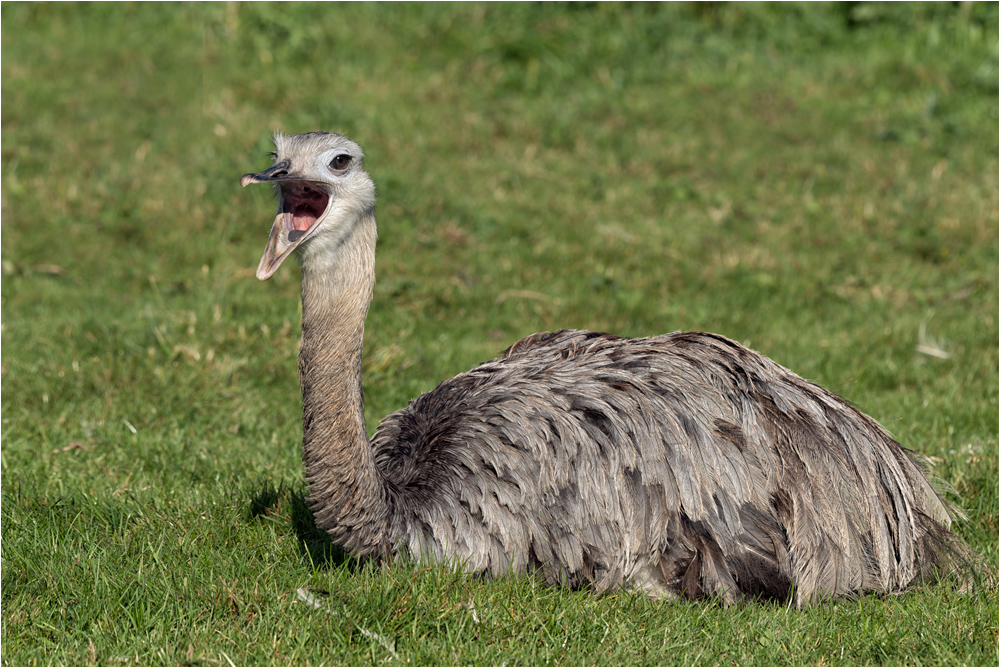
x=289 y=506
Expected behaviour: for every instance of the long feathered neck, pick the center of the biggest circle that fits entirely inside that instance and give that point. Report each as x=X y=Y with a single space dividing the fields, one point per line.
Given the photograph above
x=347 y=492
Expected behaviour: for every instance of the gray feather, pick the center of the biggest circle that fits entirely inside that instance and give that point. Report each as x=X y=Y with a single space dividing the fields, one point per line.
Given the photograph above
x=679 y=465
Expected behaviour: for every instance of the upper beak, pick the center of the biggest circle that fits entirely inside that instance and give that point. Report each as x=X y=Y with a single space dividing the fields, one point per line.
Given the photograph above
x=277 y=172
x=300 y=209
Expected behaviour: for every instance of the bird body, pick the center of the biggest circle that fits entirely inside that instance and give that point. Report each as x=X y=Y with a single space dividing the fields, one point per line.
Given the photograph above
x=677 y=465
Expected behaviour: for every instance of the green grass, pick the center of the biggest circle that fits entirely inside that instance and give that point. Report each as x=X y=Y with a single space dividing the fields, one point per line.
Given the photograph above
x=818 y=182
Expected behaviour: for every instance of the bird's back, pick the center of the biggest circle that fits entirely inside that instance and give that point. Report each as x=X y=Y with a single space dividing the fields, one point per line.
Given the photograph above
x=683 y=464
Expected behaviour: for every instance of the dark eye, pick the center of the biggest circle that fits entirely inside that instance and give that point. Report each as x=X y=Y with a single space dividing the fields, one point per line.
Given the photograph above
x=340 y=162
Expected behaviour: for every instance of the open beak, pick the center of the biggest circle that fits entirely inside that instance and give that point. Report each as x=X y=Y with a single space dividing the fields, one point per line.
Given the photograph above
x=302 y=206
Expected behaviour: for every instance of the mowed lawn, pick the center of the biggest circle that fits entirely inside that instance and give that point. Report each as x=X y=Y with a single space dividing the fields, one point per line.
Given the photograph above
x=819 y=182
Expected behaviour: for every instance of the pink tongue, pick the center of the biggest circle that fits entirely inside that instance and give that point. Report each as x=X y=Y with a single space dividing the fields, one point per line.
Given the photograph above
x=303 y=222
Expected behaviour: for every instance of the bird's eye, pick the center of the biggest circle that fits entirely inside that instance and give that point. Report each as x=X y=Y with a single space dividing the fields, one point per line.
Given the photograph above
x=340 y=162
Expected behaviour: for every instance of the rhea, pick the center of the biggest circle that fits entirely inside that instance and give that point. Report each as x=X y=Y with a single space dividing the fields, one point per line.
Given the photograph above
x=682 y=465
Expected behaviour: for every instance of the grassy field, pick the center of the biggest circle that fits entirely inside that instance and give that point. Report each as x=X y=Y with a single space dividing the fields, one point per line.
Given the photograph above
x=818 y=182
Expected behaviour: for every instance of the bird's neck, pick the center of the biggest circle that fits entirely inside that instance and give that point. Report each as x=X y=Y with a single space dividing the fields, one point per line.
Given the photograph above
x=347 y=491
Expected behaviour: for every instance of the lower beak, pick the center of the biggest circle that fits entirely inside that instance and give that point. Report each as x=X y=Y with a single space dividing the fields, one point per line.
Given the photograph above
x=279 y=245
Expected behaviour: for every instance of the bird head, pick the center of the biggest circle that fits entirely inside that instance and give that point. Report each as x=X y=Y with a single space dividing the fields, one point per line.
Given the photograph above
x=323 y=190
